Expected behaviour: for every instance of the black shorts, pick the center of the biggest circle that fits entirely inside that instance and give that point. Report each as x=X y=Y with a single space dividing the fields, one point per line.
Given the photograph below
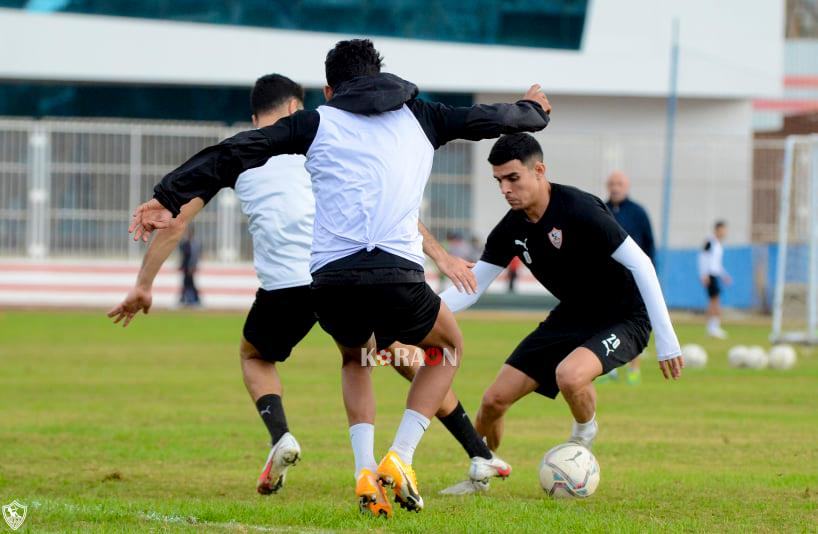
x=404 y=312
x=279 y=320
x=539 y=354
x=714 y=287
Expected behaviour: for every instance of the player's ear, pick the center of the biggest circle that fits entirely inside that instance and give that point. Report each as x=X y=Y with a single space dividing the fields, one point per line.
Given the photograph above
x=539 y=169
x=327 y=92
x=292 y=106
x=255 y=120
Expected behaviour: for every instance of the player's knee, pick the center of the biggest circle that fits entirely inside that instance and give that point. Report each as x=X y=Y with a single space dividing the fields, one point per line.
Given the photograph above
x=569 y=378
x=494 y=403
x=247 y=351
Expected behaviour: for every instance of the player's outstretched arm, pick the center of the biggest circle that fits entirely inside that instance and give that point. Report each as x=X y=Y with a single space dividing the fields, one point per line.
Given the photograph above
x=165 y=241
x=443 y=123
x=667 y=345
x=485 y=273
x=218 y=166
x=456 y=269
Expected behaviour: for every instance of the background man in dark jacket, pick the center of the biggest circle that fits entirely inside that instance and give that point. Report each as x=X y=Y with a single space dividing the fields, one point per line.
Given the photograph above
x=634 y=219
x=630 y=215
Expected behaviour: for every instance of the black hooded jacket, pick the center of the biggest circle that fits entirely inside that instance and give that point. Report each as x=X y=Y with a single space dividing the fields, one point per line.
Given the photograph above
x=219 y=166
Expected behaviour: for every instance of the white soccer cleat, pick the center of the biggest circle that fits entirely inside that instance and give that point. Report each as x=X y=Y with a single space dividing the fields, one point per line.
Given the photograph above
x=467 y=487
x=285 y=453
x=585 y=440
x=481 y=470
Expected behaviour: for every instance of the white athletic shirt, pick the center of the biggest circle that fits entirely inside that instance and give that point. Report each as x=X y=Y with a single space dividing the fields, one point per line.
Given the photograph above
x=371 y=191
x=711 y=258
x=278 y=199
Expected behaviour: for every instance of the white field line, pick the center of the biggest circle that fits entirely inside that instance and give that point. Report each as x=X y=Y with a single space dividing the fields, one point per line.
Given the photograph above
x=175 y=519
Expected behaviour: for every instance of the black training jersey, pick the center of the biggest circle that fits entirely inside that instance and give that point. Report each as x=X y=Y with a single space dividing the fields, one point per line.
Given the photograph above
x=569 y=252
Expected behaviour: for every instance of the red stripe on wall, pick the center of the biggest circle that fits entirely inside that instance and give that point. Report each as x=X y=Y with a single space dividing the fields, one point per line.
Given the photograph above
x=786 y=106
x=801 y=81
x=92 y=288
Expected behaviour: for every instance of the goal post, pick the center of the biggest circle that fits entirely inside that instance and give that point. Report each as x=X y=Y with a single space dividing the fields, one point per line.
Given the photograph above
x=795 y=299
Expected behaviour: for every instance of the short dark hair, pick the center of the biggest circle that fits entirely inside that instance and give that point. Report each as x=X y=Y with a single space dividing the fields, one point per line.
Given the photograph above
x=272 y=90
x=349 y=59
x=721 y=223
x=521 y=146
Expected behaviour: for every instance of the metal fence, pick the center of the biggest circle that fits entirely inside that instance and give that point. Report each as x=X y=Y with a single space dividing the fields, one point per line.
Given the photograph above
x=67 y=187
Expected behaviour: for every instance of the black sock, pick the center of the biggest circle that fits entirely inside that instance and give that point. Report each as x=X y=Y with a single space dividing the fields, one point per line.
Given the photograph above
x=459 y=425
x=272 y=413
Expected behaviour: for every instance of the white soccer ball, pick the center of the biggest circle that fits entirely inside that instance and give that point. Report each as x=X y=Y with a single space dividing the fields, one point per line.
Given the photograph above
x=756 y=357
x=695 y=356
x=783 y=357
x=569 y=470
x=737 y=356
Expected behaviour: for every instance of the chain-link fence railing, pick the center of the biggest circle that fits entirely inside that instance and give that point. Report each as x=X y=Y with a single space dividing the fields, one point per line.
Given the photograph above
x=67 y=187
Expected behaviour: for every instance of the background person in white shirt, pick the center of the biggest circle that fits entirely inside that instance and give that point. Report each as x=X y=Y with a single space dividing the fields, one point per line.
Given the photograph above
x=712 y=274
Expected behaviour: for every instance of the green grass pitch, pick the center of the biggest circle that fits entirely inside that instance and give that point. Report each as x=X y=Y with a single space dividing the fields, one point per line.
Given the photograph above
x=150 y=429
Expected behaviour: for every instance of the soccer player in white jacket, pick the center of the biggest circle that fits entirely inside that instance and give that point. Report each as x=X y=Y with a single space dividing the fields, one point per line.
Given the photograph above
x=370 y=146
x=278 y=200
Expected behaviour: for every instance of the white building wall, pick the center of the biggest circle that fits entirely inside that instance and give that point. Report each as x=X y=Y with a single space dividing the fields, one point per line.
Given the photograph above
x=591 y=136
x=729 y=50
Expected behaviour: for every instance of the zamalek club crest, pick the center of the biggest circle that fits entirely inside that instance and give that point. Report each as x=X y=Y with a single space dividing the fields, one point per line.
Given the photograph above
x=14 y=514
x=555 y=236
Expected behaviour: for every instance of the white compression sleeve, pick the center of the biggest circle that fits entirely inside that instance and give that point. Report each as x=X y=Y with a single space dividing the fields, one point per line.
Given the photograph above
x=485 y=273
x=637 y=262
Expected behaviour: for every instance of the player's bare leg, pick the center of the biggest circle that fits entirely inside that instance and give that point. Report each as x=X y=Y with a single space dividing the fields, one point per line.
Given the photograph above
x=714 y=318
x=359 y=402
x=483 y=464
x=429 y=388
x=264 y=386
x=433 y=382
x=510 y=386
x=409 y=371
x=634 y=374
x=575 y=375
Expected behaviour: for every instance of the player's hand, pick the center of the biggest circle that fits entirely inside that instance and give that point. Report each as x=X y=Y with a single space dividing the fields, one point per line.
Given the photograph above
x=136 y=299
x=148 y=217
x=535 y=94
x=459 y=272
x=705 y=281
x=728 y=279
x=672 y=368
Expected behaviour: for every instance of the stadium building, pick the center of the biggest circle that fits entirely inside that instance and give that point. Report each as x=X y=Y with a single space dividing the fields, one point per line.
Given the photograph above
x=101 y=98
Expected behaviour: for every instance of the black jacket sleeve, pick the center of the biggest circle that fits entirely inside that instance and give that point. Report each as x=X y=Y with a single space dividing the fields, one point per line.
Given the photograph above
x=220 y=165
x=443 y=123
x=647 y=237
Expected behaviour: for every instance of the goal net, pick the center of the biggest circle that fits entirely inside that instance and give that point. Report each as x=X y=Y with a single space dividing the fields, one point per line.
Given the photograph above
x=795 y=300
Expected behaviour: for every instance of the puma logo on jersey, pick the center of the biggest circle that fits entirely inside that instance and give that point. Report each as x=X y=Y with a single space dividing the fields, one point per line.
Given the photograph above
x=611 y=343
x=526 y=255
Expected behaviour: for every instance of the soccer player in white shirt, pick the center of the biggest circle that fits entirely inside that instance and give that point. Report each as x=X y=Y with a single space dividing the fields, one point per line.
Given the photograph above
x=712 y=273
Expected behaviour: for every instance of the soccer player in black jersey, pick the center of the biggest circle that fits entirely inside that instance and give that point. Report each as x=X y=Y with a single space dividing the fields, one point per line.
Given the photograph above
x=608 y=290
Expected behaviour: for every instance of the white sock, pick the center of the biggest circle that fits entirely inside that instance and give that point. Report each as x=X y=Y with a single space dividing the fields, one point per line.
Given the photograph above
x=585 y=430
x=362 y=437
x=411 y=429
x=713 y=324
